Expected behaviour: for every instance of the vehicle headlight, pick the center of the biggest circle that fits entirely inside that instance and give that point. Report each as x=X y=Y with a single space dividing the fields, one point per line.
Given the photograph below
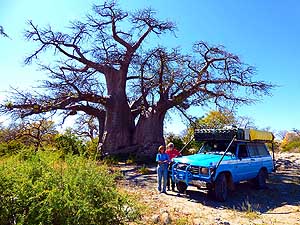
x=181 y=166
x=203 y=170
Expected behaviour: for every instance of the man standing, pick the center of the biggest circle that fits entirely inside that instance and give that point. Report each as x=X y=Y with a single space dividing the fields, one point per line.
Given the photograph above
x=173 y=153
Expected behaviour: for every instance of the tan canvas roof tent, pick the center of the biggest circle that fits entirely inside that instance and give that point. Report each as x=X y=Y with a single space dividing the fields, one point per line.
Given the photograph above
x=258 y=135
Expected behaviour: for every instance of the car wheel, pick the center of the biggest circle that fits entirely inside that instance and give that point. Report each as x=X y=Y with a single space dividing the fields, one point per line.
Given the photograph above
x=261 y=179
x=221 y=189
x=181 y=186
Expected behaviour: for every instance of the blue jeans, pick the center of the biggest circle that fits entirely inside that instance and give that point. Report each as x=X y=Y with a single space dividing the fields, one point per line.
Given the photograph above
x=162 y=176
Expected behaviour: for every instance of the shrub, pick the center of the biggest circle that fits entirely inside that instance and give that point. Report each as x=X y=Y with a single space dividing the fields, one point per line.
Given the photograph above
x=69 y=144
x=47 y=190
x=291 y=142
x=11 y=147
x=91 y=148
x=131 y=159
x=144 y=170
x=111 y=160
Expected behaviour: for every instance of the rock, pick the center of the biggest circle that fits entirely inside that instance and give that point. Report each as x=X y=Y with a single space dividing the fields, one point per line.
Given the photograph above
x=258 y=221
x=220 y=222
x=225 y=223
x=155 y=219
x=165 y=218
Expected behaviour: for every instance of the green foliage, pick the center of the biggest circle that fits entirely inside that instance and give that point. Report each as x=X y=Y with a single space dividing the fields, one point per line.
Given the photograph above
x=291 y=143
x=11 y=147
x=213 y=119
x=182 y=221
x=293 y=146
x=39 y=133
x=144 y=170
x=47 y=190
x=111 y=160
x=179 y=143
x=131 y=159
x=177 y=140
x=217 y=119
x=69 y=143
x=91 y=148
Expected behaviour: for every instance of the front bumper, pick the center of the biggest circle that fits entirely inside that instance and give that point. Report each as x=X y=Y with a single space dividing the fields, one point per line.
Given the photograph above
x=188 y=174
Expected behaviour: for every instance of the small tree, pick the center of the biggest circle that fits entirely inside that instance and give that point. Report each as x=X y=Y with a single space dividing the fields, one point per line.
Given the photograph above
x=39 y=133
x=88 y=127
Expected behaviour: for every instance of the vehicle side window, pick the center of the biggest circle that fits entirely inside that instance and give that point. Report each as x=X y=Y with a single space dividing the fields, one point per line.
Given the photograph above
x=242 y=151
x=232 y=149
x=253 y=150
x=262 y=150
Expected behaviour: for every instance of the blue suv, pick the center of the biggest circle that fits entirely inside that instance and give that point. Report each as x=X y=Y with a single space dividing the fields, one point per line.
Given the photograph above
x=226 y=157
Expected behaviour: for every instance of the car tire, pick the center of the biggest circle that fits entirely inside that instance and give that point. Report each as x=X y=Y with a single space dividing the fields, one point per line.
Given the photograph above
x=181 y=186
x=221 y=188
x=261 y=179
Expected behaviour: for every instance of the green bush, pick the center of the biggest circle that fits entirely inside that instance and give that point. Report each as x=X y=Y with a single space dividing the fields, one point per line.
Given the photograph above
x=111 y=160
x=11 y=147
x=91 y=148
x=293 y=146
x=69 y=143
x=144 y=170
x=47 y=190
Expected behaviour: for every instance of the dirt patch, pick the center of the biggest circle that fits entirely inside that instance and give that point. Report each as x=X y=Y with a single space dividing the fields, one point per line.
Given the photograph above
x=278 y=204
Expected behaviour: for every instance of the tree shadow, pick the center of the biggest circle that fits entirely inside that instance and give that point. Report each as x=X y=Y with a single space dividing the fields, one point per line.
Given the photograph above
x=138 y=179
x=283 y=189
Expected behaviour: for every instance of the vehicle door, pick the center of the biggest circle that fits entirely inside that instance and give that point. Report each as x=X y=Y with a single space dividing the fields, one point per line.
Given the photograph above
x=256 y=159
x=243 y=163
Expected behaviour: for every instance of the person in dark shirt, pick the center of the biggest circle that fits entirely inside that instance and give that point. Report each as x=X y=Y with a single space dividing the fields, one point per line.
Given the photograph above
x=162 y=169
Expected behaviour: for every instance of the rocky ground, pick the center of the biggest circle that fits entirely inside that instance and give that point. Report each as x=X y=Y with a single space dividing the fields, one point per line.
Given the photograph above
x=278 y=204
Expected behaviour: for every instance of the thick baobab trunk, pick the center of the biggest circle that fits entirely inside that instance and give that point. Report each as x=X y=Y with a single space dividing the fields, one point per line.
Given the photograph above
x=149 y=135
x=119 y=123
x=118 y=129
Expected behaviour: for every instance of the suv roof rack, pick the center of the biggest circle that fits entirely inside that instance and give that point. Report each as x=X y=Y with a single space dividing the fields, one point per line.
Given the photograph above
x=230 y=133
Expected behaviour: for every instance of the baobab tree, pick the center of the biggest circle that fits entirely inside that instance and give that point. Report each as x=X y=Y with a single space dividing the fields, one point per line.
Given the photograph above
x=95 y=48
x=171 y=80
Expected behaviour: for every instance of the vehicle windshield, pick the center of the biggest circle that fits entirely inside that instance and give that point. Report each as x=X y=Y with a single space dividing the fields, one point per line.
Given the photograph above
x=217 y=147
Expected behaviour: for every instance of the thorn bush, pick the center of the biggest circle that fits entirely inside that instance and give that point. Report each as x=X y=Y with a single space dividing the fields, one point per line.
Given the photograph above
x=44 y=189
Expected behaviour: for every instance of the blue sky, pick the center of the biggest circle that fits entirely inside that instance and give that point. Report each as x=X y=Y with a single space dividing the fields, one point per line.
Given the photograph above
x=265 y=34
